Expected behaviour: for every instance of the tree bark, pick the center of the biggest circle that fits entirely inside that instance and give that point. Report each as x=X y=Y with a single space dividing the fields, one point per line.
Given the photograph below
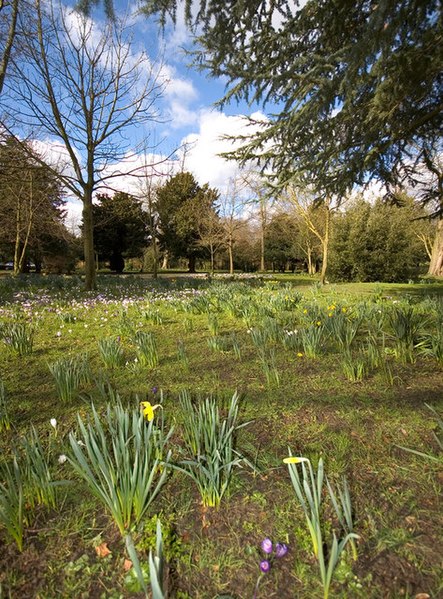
x=311 y=266
x=231 y=257
x=155 y=254
x=436 y=264
x=88 y=241
x=325 y=246
x=9 y=43
x=191 y=264
x=165 y=263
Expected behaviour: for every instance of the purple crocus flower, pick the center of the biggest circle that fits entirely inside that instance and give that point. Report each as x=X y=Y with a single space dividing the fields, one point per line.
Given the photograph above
x=154 y=390
x=265 y=566
x=281 y=549
x=266 y=545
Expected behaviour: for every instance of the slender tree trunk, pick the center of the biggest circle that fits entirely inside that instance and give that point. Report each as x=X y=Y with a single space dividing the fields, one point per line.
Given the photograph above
x=436 y=264
x=88 y=241
x=17 y=238
x=212 y=250
x=9 y=42
x=155 y=253
x=191 y=264
x=262 y=234
x=165 y=263
x=262 y=251
x=231 y=256
x=311 y=263
x=29 y=223
x=325 y=246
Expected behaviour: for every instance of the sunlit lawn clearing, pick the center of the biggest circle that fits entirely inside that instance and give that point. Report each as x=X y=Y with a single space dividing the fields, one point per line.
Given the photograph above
x=341 y=373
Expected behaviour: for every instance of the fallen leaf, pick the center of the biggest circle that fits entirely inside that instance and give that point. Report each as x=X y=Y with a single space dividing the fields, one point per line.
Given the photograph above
x=102 y=550
x=404 y=432
x=127 y=565
x=422 y=596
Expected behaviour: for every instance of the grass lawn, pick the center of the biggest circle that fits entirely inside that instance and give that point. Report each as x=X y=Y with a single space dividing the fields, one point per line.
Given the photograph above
x=347 y=375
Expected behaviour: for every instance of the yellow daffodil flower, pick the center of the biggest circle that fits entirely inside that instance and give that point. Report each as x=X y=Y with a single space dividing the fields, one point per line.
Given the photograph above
x=294 y=460
x=148 y=410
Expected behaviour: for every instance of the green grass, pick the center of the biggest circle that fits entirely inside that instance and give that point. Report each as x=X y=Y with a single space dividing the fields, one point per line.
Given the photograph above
x=356 y=427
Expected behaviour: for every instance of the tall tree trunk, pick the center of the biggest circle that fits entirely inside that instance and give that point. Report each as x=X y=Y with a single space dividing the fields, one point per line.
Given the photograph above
x=9 y=42
x=88 y=241
x=17 y=238
x=262 y=233
x=165 y=263
x=155 y=253
x=325 y=246
x=311 y=269
x=212 y=251
x=436 y=264
x=191 y=264
x=262 y=251
x=231 y=257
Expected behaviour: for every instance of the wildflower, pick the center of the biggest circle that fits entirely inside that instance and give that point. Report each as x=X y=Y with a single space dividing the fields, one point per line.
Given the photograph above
x=305 y=311
x=62 y=458
x=280 y=550
x=299 y=354
x=265 y=566
x=318 y=323
x=148 y=410
x=344 y=310
x=53 y=423
x=58 y=334
x=294 y=460
x=266 y=545
x=154 y=390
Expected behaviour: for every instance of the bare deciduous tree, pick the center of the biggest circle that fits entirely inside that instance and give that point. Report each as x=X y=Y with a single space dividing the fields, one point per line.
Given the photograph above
x=8 y=30
x=83 y=86
x=307 y=210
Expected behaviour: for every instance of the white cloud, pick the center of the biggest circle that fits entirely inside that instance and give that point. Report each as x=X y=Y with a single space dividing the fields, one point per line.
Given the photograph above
x=73 y=218
x=204 y=148
x=179 y=94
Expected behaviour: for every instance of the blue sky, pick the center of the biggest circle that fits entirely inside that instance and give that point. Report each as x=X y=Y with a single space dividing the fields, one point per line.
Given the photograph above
x=187 y=104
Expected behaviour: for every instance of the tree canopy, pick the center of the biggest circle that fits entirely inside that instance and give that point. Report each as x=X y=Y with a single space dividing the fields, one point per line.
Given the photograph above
x=182 y=205
x=355 y=86
x=31 y=205
x=379 y=242
x=119 y=228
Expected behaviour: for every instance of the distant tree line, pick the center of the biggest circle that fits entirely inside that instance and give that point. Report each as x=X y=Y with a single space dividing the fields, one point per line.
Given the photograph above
x=369 y=241
x=181 y=224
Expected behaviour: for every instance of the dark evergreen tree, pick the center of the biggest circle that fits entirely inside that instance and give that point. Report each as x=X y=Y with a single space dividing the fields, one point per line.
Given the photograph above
x=181 y=205
x=119 y=229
